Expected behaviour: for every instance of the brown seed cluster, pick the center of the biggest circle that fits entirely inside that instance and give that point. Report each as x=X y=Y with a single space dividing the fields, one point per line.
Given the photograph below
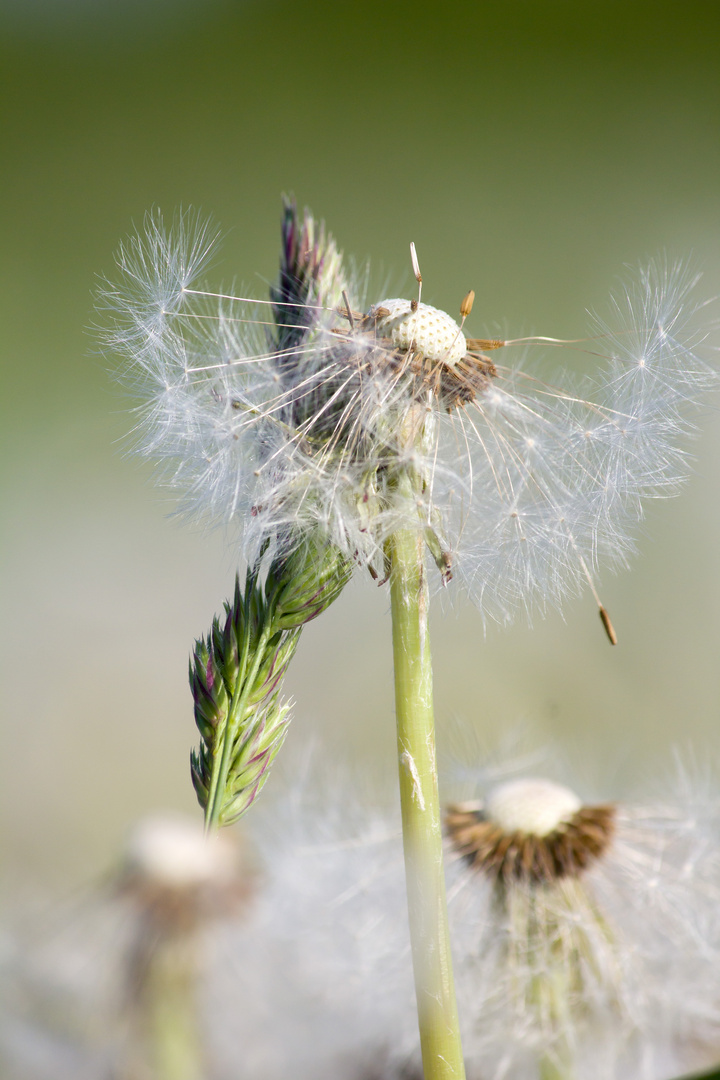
x=519 y=856
x=470 y=376
x=453 y=385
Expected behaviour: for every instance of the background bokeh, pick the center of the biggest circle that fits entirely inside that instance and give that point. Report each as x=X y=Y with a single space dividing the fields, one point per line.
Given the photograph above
x=530 y=150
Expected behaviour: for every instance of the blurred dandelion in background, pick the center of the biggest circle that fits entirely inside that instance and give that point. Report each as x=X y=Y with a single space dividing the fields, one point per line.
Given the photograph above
x=333 y=905
x=586 y=942
x=118 y=983
x=585 y=935
x=208 y=959
x=586 y=938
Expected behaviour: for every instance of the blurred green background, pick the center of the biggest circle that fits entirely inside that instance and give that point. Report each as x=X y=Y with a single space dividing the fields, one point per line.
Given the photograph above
x=530 y=150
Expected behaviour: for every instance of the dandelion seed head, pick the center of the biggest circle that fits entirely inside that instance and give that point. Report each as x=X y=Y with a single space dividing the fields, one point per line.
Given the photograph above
x=532 y=830
x=175 y=853
x=81 y=993
x=295 y=415
x=592 y=947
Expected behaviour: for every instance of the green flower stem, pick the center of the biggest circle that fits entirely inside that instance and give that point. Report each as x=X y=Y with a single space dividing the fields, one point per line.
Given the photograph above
x=553 y=994
x=236 y=712
x=552 y=1070
x=422 y=834
x=169 y=1012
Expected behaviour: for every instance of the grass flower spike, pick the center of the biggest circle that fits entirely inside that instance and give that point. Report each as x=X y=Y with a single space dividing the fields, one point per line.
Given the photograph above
x=236 y=675
x=236 y=672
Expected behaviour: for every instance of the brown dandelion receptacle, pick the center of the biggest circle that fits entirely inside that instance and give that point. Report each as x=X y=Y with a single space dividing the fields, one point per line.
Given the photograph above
x=506 y=855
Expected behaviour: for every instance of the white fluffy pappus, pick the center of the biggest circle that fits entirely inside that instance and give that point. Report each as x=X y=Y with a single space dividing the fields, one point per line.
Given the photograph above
x=332 y=913
x=610 y=973
x=606 y=970
x=299 y=413
x=588 y=946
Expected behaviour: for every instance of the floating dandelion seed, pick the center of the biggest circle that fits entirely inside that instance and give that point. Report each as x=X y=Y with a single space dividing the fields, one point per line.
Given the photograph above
x=297 y=414
x=586 y=938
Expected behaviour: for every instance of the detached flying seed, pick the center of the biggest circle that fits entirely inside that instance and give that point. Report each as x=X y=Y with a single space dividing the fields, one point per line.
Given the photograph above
x=415 y=264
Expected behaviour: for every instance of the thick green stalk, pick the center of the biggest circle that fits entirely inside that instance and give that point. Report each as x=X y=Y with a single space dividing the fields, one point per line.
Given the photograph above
x=422 y=834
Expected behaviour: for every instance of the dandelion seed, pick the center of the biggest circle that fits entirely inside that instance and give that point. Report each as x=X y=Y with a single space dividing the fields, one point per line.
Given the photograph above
x=294 y=415
x=586 y=938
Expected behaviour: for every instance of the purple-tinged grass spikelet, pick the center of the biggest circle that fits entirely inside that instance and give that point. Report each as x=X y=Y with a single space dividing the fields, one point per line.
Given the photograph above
x=236 y=676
